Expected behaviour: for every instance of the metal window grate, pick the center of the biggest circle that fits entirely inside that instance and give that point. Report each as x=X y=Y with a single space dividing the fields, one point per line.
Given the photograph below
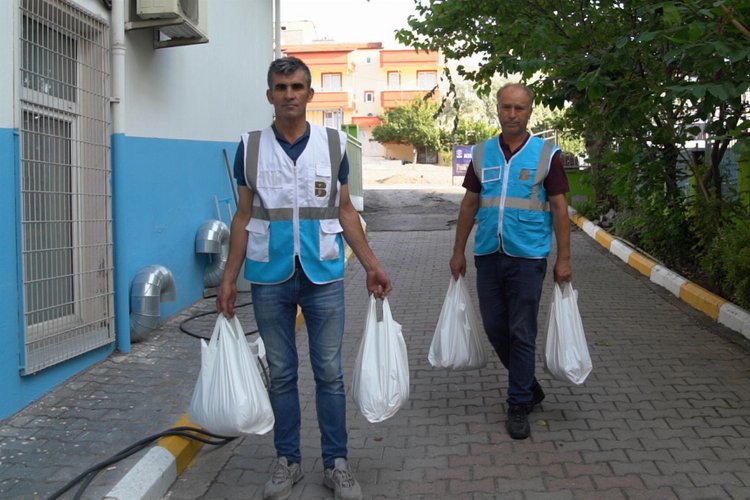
x=65 y=183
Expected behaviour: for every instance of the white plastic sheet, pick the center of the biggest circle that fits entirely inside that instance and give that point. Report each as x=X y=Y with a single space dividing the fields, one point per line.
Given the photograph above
x=229 y=398
x=380 y=383
x=567 y=354
x=457 y=342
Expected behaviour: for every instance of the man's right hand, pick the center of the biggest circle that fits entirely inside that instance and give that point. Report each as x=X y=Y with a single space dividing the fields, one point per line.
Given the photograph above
x=226 y=299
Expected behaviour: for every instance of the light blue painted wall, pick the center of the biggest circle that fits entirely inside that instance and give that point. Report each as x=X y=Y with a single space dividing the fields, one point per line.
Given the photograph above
x=17 y=391
x=163 y=191
x=184 y=105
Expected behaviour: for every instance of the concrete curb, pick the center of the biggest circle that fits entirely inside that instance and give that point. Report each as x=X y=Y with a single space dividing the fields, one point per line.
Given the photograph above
x=712 y=305
x=154 y=473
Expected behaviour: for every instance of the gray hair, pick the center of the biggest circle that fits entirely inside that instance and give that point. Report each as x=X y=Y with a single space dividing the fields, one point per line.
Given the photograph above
x=286 y=66
x=528 y=91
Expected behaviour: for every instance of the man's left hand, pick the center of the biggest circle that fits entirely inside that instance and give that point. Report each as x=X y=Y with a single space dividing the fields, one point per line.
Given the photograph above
x=378 y=283
x=563 y=271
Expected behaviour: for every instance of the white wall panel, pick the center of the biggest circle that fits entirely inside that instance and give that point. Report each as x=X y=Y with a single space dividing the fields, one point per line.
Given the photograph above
x=211 y=91
x=8 y=15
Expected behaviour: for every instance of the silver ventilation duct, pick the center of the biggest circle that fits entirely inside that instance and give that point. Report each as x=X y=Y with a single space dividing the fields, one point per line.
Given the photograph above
x=151 y=286
x=212 y=238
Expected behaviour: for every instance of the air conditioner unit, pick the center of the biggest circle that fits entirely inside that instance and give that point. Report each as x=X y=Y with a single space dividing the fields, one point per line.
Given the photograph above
x=176 y=22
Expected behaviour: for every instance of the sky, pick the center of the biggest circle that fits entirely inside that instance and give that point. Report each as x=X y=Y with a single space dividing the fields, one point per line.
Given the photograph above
x=351 y=20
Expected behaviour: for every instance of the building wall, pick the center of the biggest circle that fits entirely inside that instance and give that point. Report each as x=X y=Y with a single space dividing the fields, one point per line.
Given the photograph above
x=7 y=37
x=369 y=77
x=182 y=107
x=17 y=391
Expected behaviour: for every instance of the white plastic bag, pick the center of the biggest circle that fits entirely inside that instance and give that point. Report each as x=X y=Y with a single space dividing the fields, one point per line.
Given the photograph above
x=229 y=398
x=457 y=342
x=567 y=354
x=380 y=383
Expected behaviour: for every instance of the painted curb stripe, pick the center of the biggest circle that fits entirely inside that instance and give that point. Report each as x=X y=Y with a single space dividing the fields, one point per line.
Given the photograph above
x=668 y=279
x=621 y=250
x=149 y=479
x=604 y=238
x=644 y=265
x=712 y=305
x=735 y=318
x=702 y=299
x=591 y=229
x=182 y=448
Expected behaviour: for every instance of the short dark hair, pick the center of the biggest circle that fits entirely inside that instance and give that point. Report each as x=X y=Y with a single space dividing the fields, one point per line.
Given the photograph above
x=287 y=66
x=520 y=86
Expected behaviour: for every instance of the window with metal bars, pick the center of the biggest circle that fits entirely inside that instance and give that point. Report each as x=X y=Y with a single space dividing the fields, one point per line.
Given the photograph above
x=65 y=183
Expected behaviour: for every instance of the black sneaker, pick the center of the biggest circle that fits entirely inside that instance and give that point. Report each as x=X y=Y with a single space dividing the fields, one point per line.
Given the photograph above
x=518 y=422
x=537 y=395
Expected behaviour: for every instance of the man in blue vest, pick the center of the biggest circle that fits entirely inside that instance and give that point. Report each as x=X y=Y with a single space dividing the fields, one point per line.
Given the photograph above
x=515 y=190
x=293 y=214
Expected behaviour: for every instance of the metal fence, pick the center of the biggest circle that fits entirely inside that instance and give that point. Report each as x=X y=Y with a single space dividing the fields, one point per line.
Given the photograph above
x=65 y=182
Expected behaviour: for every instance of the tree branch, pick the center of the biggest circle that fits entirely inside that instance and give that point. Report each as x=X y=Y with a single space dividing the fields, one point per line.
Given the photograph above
x=737 y=24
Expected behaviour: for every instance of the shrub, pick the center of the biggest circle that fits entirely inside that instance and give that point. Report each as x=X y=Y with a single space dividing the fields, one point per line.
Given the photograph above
x=727 y=261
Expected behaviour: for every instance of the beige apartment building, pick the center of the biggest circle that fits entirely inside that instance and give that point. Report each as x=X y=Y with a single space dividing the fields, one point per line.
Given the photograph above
x=356 y=82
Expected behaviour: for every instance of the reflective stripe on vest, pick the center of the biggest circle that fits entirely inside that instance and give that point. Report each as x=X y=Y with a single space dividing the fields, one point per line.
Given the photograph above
x=514 y=214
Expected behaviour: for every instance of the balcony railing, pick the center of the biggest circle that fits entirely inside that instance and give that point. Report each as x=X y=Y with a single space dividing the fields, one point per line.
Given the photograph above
x=392 y=98
x=331 y=100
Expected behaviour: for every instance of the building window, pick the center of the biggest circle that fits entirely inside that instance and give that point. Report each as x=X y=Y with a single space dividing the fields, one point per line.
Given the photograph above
x=331 y=82
x=65 y=177
x=368 y=59
x=394 y=80
x=332 y=119
x=369 y=96
x=426 y=80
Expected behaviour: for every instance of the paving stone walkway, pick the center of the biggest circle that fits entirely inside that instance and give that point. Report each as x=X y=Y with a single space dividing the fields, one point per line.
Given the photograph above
x=664 y=415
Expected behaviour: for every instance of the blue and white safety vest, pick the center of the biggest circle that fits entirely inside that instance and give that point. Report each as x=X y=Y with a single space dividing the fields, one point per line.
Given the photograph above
x=295 y=207
x=514 y=214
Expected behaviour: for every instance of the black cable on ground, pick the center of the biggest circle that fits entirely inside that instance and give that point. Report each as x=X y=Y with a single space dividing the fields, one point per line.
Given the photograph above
x=184 y=329
x=87 y=476
x=261 y=363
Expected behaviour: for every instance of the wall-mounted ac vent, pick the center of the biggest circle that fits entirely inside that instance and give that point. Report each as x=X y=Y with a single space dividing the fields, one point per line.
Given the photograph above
x=175 y=22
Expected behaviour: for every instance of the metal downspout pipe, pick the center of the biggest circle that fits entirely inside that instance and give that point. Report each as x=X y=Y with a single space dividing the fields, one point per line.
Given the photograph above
x=117 y=113
x=277 y=28
x=118 y=67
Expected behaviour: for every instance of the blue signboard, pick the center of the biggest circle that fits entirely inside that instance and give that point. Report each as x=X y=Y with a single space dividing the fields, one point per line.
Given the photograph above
x=461 y=160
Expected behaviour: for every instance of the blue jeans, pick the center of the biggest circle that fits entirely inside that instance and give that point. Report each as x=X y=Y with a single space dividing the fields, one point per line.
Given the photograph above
x=275 y=314
x=509 y=290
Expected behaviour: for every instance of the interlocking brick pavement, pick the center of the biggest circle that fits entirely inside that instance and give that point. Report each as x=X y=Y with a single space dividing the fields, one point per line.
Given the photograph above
x=664 y=414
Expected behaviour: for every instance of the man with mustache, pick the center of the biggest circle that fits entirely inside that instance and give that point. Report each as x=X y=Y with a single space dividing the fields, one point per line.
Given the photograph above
x=515 y=189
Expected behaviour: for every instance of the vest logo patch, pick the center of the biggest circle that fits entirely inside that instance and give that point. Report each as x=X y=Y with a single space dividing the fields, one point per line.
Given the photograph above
x=320 y=189
x=525 y=174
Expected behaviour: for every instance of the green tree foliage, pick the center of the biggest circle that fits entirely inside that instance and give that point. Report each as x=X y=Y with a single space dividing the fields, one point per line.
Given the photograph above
x=634 y=80
x=414 y=123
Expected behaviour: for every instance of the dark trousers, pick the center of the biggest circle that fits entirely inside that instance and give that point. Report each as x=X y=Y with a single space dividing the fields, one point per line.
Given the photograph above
x=509 y=291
